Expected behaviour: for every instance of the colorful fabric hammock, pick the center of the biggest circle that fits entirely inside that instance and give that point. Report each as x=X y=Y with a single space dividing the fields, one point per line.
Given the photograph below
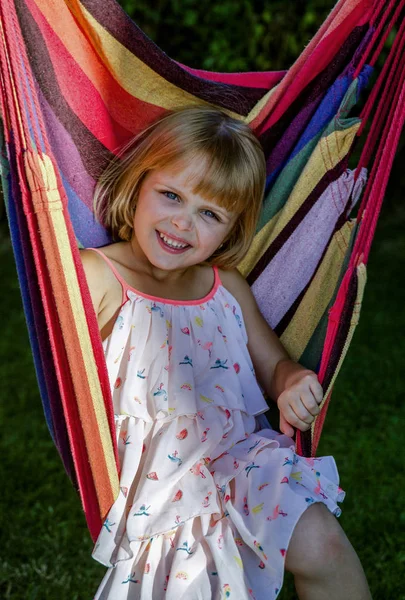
x=78 y=80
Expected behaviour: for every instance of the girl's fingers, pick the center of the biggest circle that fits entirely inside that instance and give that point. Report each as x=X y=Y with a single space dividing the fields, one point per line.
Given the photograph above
x=285 y=427
x=293 y=419
x=310 y=404
x=300 y=410
x=317 y=390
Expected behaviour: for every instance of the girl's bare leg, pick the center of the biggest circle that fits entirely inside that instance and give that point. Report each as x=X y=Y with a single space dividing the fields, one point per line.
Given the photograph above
x=323 y=561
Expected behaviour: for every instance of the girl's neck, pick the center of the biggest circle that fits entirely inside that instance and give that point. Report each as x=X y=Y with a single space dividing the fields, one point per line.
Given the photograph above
x=143 y=267
x=185 y=284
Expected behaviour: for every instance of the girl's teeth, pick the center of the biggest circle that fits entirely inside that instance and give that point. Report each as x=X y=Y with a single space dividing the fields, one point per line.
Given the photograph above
x=170 y=242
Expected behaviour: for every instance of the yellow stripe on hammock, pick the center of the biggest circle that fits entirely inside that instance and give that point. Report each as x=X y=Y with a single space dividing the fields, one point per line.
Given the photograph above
x=319 y=294
x=260 y=105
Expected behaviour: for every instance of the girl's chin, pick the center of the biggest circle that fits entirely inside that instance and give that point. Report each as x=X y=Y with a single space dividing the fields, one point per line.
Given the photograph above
x=165 y=259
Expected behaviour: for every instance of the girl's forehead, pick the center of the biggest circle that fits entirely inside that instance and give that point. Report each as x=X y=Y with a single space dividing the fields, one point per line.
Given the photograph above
x=186 y=173
x=183 y=179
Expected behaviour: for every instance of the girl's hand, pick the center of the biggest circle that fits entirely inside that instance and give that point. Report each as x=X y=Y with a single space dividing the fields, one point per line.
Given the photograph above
x=299 y=402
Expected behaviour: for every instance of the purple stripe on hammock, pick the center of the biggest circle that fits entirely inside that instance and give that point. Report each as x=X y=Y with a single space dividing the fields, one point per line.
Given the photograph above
x=66 y=154
x=87 y=231
x=87 y=145
x=290 y=270
x=295 y=220
x=285 y=321
x=78 y=184
x=282 y=149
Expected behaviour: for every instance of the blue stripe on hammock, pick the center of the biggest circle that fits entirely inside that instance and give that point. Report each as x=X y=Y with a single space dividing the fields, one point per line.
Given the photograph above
x=88 y=232
x=16 y=231
x=324 y=113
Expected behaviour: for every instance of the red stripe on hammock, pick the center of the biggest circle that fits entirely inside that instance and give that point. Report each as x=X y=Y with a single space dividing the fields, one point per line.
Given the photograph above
x=265 y=80
x=86 y=448
x=83 y=98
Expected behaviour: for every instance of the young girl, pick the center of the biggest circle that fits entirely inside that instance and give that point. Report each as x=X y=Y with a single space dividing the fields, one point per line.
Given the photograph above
x=211 y=506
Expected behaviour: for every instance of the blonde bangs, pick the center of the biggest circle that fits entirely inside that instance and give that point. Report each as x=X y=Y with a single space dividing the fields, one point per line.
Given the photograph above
x=227 y=182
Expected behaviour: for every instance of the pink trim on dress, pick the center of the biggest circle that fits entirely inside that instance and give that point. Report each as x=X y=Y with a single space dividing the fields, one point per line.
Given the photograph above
x=126 y=287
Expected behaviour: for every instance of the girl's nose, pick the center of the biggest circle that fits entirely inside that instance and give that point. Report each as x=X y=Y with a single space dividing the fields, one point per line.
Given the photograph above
x=182 y=221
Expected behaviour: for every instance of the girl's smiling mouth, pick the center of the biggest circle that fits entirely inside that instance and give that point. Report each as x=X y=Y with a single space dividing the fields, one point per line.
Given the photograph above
x=171 y=244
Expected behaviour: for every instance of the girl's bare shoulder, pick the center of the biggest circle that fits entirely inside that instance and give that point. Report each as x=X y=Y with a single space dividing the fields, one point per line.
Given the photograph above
x=99 y=276
x=236 y=284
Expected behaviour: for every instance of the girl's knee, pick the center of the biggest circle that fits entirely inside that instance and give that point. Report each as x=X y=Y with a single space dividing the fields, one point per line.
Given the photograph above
x=317 y=544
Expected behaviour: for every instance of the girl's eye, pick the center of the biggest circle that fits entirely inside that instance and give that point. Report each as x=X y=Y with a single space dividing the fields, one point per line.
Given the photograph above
x=210 y=214
x=171 y=195
x=207 y=212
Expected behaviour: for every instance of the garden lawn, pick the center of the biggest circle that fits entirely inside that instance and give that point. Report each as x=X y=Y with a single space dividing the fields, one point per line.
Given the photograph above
x=45 y=548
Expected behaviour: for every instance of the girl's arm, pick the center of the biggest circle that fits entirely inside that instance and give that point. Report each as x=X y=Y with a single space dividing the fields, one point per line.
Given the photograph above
x=295 y=389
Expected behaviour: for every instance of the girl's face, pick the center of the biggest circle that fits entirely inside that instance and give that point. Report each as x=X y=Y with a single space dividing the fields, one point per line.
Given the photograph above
x=173 y=227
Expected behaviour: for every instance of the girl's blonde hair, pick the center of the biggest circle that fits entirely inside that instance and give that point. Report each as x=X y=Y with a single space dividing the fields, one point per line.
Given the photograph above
x=234 y=176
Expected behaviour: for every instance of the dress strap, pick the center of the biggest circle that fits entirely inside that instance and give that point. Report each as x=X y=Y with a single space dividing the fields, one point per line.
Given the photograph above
x=217 y=279
x=122 y=281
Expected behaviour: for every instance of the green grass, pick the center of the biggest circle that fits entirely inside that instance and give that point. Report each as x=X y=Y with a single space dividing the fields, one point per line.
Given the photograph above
x=45 y=547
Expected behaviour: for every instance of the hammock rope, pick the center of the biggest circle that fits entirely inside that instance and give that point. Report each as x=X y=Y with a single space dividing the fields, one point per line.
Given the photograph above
x=307 y=264
x=388 y=80
x=384 y=17
x=385 y=131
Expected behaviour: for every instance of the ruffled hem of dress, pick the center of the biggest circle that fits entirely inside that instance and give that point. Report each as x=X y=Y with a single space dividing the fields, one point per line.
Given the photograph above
x=301 y=481
x=314 y=477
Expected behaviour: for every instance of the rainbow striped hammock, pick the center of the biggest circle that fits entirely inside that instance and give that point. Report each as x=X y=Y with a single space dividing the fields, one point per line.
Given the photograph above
x=78 y=79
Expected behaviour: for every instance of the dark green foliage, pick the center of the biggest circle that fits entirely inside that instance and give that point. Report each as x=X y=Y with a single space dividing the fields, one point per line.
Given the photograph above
x=228 y=35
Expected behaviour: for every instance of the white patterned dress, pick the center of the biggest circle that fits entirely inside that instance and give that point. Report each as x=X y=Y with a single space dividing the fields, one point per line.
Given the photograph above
x=207 y=502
